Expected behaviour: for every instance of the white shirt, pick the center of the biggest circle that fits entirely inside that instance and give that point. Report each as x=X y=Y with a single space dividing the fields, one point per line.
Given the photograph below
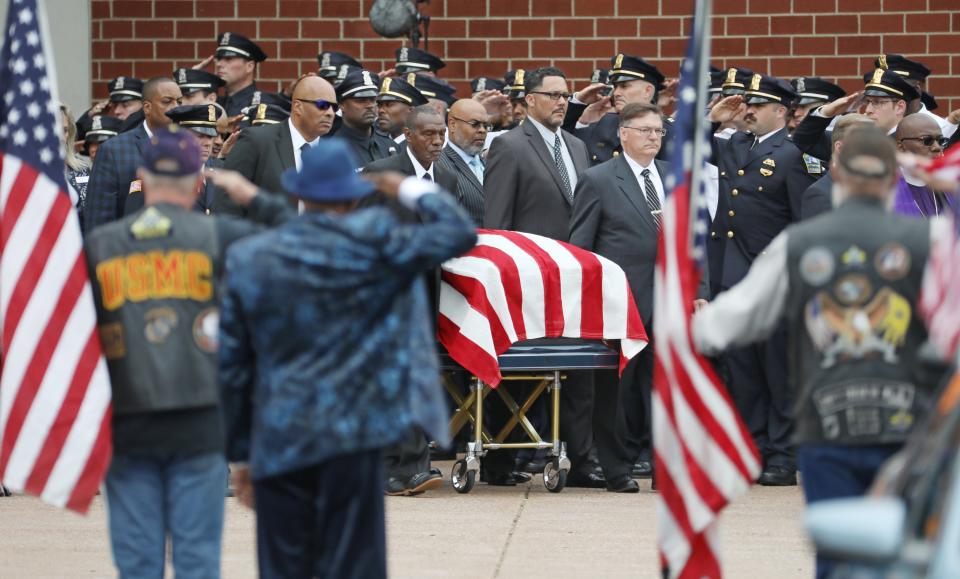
x=147 y=129
x=946 y=127
x=770 y=134
x=298 y=143
x=638 y=170
x=549 y=138
x=418 y=168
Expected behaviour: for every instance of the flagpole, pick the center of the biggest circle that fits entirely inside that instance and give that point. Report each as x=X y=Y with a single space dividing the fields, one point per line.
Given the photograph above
x=702 y=30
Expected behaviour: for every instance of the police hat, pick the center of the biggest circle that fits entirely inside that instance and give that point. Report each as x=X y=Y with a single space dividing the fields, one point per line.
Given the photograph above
x=599 y=76
x=812 y=89
x=486 y=83
x=903 y=66
x=416 y=60
x=359 y=84
x=516 y=89
x=432 y=87
x=769 y=89
x=624 y=68
x=125 y=88
x=397 y=89
x=716 y=80
x=231 y=44
x=172 y=152
x=332 y=62
x=887 y=83
x=199 y=118
x=736 y=81
x=191 y=81
x=342 y=73
x=99 y=128
x=264 y=114
x=269 y=98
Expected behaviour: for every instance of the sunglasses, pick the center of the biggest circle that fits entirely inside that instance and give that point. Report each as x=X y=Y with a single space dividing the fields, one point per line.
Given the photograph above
x=321 y=104
x=928 y=140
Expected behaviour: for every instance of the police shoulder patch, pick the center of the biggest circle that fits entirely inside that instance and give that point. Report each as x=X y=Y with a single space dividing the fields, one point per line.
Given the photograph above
x=151 y=225
x=814 y=166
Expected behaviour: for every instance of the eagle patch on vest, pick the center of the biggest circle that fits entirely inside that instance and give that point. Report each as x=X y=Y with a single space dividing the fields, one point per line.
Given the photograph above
x=151 y=225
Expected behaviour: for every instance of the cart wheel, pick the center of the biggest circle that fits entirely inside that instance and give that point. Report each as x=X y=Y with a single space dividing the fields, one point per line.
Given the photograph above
x=462 y=478
x=554 y=478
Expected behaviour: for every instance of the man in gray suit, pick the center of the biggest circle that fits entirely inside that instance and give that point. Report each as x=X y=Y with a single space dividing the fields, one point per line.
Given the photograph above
x=264 y=153
x=529 y=183
x=467 y=126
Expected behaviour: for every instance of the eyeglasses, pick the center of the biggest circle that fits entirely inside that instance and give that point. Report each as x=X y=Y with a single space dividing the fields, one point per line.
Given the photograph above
x=876 y=103
x=648 y=131
x=928 y=140
x=322 y=104
x=474 y=124
x=554 y=96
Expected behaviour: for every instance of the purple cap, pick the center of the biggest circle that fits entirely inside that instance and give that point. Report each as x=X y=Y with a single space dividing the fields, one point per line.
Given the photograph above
x=173 y=152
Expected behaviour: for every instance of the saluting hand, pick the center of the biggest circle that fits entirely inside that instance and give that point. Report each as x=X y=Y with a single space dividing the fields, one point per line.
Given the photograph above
x=591 y=94
x=236 y=186
x=204 y=63
x=387 y=182
x=841 y=105
x=595 y=112
x=727 y=109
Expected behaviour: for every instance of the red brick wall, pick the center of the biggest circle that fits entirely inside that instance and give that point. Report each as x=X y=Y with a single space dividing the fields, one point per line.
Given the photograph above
x=835 y=39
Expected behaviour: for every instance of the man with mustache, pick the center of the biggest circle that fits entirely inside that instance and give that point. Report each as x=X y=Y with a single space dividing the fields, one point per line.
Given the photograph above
x=262 y=155
x=357 y=95
x=467 y=128
x=762 y=180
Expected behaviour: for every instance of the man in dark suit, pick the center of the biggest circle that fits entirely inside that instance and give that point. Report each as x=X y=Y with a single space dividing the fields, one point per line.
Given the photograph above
x=263 y=154
x=467 y=128
x=114 y=174
x=408 y=470
x=818 y=198
x=616 y=213
x=762 y=180
x=532 y=173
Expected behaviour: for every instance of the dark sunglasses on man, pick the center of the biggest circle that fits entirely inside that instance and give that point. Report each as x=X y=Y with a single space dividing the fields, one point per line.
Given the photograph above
x=321 y=104
x=928 y=140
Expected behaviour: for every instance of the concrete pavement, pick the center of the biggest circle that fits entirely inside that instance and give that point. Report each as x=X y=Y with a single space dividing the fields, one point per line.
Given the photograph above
x=522 y=532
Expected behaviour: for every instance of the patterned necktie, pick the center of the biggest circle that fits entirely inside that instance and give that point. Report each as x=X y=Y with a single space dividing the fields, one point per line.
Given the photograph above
x=477 y=168
x=653 y=200
x=562 y=168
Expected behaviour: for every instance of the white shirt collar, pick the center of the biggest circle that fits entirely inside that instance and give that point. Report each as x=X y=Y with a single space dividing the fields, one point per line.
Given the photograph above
x=418 y=168
x=637 y=168
x=770 y=134
x=548 y=135
x=147 y=129
x=297 y=138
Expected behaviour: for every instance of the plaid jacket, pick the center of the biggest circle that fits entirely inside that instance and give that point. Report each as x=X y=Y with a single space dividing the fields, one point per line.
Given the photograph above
x=113 y=170
x=326 y=346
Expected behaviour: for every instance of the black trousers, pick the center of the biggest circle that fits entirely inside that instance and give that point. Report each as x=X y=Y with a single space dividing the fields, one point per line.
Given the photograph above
x=324 y=521
x=636 y=387
x=760 y=389
x=611 y=428
x=408 y=457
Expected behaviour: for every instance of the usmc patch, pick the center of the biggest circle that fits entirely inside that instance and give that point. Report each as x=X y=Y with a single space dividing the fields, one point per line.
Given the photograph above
x=151 y=225
x=814 y=166
x=159 y=323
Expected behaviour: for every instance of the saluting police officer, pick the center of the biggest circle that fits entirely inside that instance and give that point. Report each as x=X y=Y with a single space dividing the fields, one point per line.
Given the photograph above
x=202 y=121
x=634 y=80
x=762 y=179
x=332 y=63
x=418 y=61
x=198 y=86
x=237 y=58
x=812 y=92
x=357 y=95
x=155 y=277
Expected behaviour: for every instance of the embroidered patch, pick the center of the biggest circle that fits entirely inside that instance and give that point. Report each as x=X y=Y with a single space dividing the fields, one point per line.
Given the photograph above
x=205 y=330
x=853 y=289
x=816 y=266
x=892 y=261
x=854 y=256
x=159 y=324
x=151 y=225
x=814 y=166
x=111 y=340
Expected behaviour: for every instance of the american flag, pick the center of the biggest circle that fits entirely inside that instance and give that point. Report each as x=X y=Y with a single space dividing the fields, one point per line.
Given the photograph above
x=54 y=388
x=518 y=286
x=704 y=455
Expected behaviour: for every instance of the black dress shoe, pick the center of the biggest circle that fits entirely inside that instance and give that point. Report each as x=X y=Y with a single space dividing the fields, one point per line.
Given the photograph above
x=778 y=476
x=534 y=466
x=424 y=481
x=504 y=479
x=590 y=480
x=623 y=484
x=642 y=469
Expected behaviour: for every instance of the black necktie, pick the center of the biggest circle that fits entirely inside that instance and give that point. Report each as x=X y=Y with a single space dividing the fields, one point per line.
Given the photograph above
x=427 y=177
x=653 y=200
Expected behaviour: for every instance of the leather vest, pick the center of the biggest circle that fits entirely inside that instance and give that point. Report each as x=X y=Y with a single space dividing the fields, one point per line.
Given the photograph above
x=155 y=288
x=854 y=279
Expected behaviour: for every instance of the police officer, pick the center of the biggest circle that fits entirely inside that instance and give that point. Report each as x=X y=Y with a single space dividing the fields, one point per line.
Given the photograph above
x=265 y=114
x=485 y=83
x=198 y=86
x=96 y=130
x=633 y=80
x=332 y=63
x=237 y=58
x=812 y=92
x=762 y=179
x=439 y=94
x=516 y=91
x=202 y=121
x=155 y=277
x=357 y=95
x=916 y=73
x=396 y=100
x=847 y=284
x=126 y=96
x=417 y=60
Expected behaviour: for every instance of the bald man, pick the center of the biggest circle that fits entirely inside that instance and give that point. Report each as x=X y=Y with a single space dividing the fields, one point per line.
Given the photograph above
x=467 y=126
x=919 y=134
x=264 y=153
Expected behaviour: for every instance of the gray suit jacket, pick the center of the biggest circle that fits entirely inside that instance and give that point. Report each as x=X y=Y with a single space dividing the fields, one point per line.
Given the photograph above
x=521 y=188
x=469 y=191
x=261 y=154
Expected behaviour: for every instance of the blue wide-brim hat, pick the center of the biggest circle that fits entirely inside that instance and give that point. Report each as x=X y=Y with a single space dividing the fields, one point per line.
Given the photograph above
x=327 y=174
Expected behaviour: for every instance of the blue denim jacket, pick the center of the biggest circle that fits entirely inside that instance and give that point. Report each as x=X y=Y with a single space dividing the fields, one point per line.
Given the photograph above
x=326 y=341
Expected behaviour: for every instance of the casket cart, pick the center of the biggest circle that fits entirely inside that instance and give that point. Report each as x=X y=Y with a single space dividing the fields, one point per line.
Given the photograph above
x=524 y=307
